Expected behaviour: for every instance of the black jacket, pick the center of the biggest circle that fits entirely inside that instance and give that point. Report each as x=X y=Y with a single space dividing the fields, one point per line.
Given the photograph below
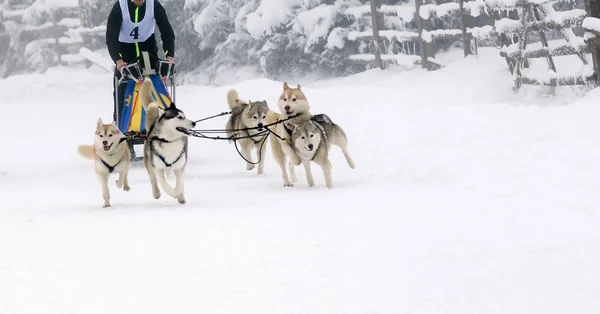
x=128 y=51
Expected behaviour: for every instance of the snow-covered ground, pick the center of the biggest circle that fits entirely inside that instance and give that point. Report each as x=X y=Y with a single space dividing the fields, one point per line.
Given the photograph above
x=466 y=199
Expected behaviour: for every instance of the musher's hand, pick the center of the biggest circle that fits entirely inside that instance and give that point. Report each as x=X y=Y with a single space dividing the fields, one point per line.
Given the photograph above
x=120 y=64
x=170 y=59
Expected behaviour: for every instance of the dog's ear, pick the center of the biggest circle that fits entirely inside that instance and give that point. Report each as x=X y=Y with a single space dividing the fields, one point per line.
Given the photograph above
x=298 y=86
x=285 y=86
x=100 y=124
x=172 y=106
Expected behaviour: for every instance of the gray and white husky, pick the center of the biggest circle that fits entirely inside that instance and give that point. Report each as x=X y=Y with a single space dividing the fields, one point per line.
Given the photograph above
x=312 y=141
x=252 y=115
x=166 y=145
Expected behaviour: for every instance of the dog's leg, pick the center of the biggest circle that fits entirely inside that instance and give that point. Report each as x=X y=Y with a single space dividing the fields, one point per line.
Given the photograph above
x=160 y=174
x=123 y=182
x=179 y=186
x=280 y=158
x=287 y=149
x=246 y=153
x=341 y=141
x=309 y=176
x=292 y=168
x=260 y=152
x=153 y=181
x=326 y=166
x=103 y=177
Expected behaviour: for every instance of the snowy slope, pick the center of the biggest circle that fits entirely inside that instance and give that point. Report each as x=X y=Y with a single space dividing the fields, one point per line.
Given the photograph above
x=466 y=199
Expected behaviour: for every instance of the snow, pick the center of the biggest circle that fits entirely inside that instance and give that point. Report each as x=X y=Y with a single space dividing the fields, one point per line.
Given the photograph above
x=390 y=34
x=103 y=62
x=315 y=24
x=35 y=46
x=484 y=32
x=475 y=7
x=467 y=198
x=591 y=23
x=507 y=26
x=337 y=38
x=70 y=22
x=564 y=17
x=62 y=3
x=270 y=15
x=207 y=19
x=358 y=11
x=406 y=12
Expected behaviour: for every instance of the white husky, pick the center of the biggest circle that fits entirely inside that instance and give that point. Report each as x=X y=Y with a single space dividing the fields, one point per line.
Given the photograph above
x=111 y=155
x=166 y=145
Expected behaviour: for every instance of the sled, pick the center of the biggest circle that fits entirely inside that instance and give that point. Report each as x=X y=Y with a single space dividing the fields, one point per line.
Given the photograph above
x=129 y=114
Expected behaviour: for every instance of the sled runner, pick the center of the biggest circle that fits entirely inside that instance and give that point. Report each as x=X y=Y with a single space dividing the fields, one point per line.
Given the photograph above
x=129 y=113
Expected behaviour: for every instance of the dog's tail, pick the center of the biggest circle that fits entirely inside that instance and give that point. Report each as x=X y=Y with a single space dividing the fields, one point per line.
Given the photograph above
x=86 y=151
x=151 y=107
x=233 y=99
x=340 y=139
x=146 y=93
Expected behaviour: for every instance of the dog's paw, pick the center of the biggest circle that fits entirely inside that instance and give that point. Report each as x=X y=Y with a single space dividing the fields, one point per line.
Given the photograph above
x=260 y=174
x=126 y=188
x=156 y=194
x=249 y=167
x=288 y=185
x=311 y=183
x=106 y=205
x=181 y=199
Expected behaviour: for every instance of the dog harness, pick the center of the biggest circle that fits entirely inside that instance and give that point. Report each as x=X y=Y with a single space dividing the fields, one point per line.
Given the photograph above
x=138 y=31
x=171 y=164
x=287 y=129
x=252 y=137
x=109 y=167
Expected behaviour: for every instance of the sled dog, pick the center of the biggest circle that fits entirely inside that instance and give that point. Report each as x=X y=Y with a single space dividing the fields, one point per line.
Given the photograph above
x=166 y=144
x=312 y=141
x=111 y=154
x=248 y=114
x=292 y=102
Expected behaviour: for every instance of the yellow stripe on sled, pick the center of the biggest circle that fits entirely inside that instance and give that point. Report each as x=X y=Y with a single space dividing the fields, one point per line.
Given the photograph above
x=136 y=102
x=136 y=115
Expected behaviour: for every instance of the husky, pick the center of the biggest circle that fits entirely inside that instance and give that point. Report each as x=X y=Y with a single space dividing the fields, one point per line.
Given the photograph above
x=244 y=115
x=111 y=154
x=292 y=103
x=312 y=141
x=166 y=144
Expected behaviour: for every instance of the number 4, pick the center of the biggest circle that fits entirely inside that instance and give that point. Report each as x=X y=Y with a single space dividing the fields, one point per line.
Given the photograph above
x=135 y=33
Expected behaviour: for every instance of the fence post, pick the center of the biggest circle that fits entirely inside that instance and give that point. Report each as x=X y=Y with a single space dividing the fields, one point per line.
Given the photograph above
x=593 y=10
x=420 y=31
x=463 y=27
x=375 y=21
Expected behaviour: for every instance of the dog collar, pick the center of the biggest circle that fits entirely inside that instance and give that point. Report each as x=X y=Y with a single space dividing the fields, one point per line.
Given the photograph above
x=160 y=139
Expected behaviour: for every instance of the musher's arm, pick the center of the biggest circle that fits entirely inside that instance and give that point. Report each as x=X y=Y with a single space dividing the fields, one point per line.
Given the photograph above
x=113 y=27
x=166 y=31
